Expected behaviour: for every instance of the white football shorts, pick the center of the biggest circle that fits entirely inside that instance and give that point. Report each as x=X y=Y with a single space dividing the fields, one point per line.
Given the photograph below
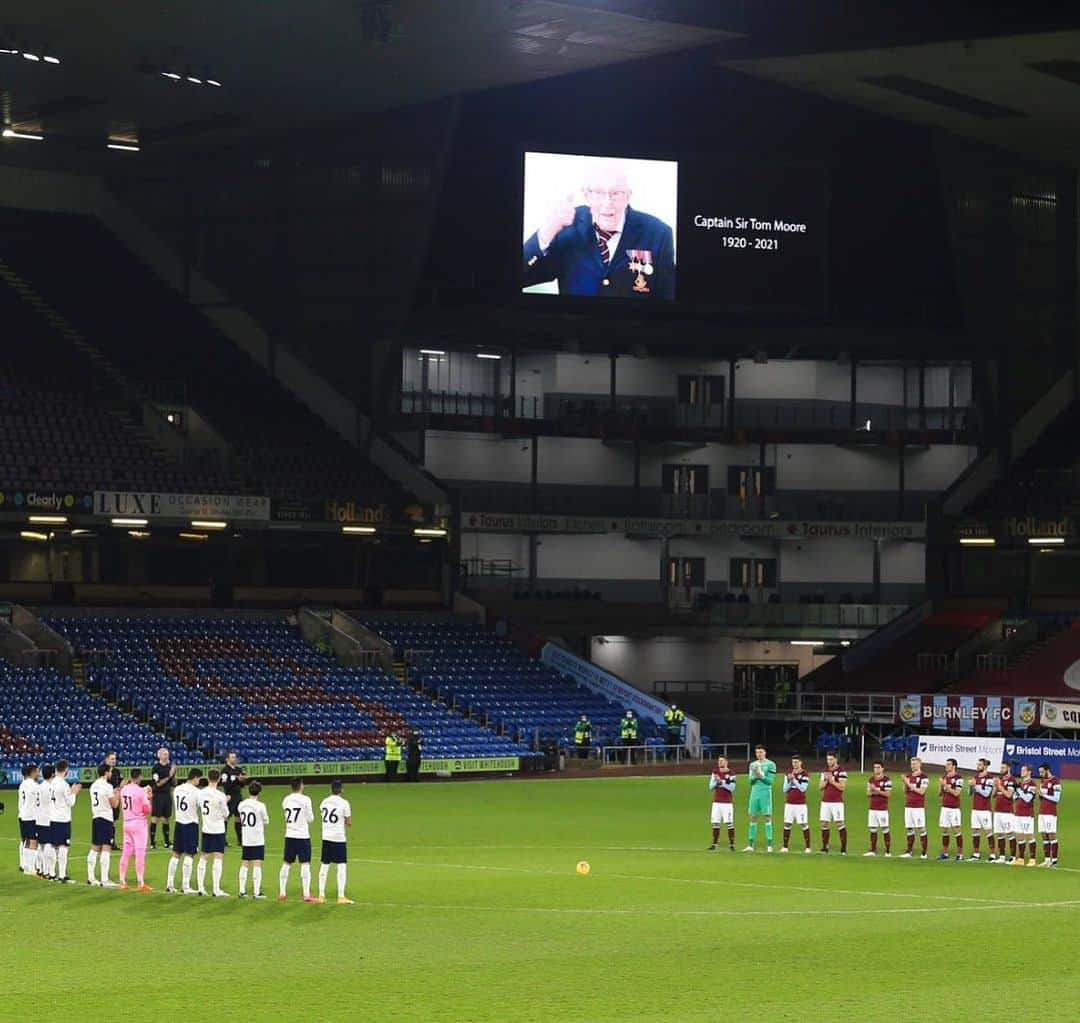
x=915 y=818
x=796 y=813
x=879 y=819
x=1047 y=824
x=982 y=820
x=722 y=813
x=949 y=817
x=832 y=812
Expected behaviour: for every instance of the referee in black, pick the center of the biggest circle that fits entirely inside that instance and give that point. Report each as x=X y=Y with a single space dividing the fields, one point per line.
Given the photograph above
x=114 y=778
x=233 y=779
x=163 y=778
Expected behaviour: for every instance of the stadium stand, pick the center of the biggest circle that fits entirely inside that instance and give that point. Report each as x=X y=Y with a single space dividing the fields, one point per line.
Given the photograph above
x=256 y=687
x=1042 y=672
x=44 y=713
x=87 y=275
x=488 y=678
x=896 y=669
x=65 y=425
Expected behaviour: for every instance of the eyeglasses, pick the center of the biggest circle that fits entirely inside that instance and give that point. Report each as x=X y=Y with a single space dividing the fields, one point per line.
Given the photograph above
x=614 y=194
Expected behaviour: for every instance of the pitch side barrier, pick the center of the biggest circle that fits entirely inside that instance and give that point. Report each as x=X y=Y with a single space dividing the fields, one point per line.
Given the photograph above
x=324 y=769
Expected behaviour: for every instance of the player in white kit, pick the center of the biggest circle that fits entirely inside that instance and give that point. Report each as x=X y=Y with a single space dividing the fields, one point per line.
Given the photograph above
x=185 y=844
x=253 y=818
x=214 y=809
x=298 y=813
x=103 y=799
x=28 y=818
x=45 y=861
x=336 y=816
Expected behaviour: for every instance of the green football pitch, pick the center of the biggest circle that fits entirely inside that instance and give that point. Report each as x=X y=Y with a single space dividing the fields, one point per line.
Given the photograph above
x=469 y=909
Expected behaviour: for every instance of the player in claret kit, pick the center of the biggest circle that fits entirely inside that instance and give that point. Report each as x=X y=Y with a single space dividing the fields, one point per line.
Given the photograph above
x=336 y=816
x=298 y=817
x=916 y=782
x=1024 y=812
x=832 y=785
x=796 y=782
x=1004 y=818
x=1049 y=789
x=253 y=817
x=879 y=788
x=722 y=786
x=185 y=845
x=951 y=786
x=981 y=787
x=103 y=800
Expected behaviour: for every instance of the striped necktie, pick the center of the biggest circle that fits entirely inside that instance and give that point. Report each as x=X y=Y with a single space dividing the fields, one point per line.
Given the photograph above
x=602 y=238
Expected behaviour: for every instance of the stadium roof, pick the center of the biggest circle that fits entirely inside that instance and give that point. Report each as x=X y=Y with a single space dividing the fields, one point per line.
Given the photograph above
x=285 y=64
x=1017 y=92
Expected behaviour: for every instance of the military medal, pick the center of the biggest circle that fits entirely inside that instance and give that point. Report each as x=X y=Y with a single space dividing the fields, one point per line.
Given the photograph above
x=640 y=264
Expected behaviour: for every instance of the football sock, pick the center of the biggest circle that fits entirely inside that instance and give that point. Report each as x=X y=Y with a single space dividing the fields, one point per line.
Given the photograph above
x=768 y=832
x=888 y=842
x=215 y=873
x=824 y=838
x=256 y=880
x=1046 y=850
x=911 y=841
x=787 y=836
x=165 y=832
x=50 y=860
x=283 y=878
x=305 y=878
x=751 y=838
x=61 y=861
x=1001 y=846
x=342 y=870
x=843 y=839
x=185 y=872
x=715 y=836
x=731 y=836
x=140 y=865
x=807 y=838
x=873 y=841
x=243 y=880
x=924 y=842
x=944 y=843
x=104 y=859
x=1054 y=847
x=1032 y=846
x=324 y=873
x=975 y=843
x=959 y=845
x=200 y=875
x=91 y=864
x=1012 y=847
x=170 y=877
x=153 y=832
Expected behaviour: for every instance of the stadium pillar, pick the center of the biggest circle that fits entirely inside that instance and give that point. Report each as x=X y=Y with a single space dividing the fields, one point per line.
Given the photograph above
x=534 y=489
x=901 y=460
x=922 y=394
x=534 y=543
x=854 y=391
x=877 y=571
x=731 y=394
x=665 y=577
x=513 y=383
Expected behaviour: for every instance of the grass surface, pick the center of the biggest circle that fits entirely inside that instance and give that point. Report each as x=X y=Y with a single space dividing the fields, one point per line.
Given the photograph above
x=469 y=909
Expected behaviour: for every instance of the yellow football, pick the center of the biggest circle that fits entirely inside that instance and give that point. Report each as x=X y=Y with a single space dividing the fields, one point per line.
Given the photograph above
x=583 y=868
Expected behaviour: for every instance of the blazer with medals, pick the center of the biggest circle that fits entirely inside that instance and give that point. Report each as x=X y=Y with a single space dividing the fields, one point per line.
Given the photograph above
x=573 y=259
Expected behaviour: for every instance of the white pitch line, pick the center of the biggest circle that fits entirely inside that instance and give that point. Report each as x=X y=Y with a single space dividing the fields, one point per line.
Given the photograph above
x=717 y=912
x=721 y=882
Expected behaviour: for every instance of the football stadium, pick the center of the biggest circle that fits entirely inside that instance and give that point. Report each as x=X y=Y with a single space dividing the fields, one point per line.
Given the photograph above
x=525 y=510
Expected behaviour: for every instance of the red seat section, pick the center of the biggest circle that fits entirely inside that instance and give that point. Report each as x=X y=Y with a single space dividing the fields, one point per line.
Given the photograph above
x=1043 y=673
x=895 y=669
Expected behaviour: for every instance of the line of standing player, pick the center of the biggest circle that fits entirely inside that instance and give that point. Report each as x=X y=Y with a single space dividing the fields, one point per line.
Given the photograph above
x=1002 y=813
x=46 y=802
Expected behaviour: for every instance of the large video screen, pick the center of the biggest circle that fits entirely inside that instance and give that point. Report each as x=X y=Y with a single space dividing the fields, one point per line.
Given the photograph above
x=741 y=237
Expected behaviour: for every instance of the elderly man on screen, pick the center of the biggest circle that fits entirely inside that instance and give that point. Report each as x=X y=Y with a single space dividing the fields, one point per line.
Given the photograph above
x=604 y=246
